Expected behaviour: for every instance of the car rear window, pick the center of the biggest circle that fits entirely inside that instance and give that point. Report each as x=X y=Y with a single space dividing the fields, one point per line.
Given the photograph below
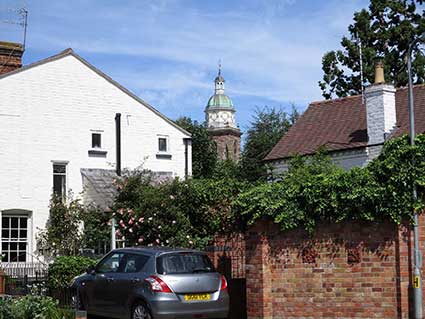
x=183 y=263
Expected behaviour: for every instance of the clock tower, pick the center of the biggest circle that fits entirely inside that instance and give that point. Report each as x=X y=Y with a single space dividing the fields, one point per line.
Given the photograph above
x=221 y=124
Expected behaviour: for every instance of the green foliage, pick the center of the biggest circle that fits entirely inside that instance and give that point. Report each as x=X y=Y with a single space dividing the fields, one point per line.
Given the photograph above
x=178 y=213
x=266 y=129
x=32 y=307
x=316 y=190
x=204 y=149
x=189 y=213
x=97 y=229
x=6 y=309
x=65 y=268
x=385 y=31
x=62 y=235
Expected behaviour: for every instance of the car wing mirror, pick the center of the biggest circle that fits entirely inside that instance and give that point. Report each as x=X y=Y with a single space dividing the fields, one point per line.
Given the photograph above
x=91 y=270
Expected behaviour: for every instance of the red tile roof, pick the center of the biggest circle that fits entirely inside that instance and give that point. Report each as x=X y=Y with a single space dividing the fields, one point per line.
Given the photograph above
x=341 y=124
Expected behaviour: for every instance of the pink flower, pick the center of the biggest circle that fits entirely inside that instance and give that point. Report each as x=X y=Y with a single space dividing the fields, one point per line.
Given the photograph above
x=130 y=230
x=131 y=221
x=141 y=219
x=141 y=240
x=157 y=241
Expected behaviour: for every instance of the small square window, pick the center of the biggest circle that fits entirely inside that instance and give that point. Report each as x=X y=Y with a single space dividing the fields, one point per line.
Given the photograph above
x=162 y=144
x=96 y=140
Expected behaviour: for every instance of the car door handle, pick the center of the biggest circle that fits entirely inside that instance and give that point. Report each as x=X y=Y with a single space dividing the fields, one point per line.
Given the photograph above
x=109 y=279
x=135 y=280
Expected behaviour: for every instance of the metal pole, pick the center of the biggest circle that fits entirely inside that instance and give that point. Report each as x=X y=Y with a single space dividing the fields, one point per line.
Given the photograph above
x=113 y=239
x=417 y=279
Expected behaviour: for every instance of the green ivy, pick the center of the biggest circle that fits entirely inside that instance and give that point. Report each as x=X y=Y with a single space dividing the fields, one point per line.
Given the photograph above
x=316 y=190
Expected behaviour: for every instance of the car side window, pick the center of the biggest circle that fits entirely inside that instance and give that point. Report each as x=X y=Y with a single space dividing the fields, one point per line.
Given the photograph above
x=110 y=264
x=133 y=263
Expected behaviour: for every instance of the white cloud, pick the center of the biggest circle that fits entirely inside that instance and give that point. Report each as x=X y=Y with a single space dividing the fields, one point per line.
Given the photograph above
x=270 y=49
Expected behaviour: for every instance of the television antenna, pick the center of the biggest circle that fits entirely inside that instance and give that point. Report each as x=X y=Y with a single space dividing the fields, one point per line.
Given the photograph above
x=359 y=46
x=21 y=20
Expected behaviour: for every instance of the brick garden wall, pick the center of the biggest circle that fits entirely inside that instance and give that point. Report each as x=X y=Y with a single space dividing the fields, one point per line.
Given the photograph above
x=347 y=270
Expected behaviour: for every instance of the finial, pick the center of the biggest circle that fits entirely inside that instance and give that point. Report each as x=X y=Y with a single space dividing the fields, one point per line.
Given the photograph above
x=219 y=67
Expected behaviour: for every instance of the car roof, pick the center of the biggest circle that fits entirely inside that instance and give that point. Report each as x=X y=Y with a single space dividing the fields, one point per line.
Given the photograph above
x=156 y=250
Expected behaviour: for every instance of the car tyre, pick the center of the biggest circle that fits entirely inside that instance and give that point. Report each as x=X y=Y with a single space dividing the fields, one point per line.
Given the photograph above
x=140 y=311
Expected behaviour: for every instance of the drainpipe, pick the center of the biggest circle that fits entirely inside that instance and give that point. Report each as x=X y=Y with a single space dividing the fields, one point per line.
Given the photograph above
x=186 y=156
x=118 y=142
x=118 y=170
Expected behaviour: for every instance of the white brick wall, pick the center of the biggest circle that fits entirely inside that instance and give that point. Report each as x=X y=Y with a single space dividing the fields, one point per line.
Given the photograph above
x=380 y=112
x=47 y=114
x=345 y=159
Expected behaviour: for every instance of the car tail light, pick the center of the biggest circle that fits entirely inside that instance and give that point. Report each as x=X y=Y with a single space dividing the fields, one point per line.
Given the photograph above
x=157 y=284
x=223 y=283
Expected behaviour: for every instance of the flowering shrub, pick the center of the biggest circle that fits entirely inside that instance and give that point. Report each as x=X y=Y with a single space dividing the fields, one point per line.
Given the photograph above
x=175 y=213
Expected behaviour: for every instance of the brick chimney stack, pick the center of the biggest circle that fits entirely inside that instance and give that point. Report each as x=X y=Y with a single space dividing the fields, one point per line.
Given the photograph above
x=10 y=56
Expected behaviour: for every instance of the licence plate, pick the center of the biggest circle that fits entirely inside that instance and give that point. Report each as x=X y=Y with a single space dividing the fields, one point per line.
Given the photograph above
x=197 y=297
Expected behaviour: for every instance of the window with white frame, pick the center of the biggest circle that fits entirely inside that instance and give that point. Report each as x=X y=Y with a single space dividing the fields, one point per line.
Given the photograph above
x=14 y=236
x=163 y=146
x=59 y=179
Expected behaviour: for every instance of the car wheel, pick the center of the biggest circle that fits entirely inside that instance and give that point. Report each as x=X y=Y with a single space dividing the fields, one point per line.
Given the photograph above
x=140 y=311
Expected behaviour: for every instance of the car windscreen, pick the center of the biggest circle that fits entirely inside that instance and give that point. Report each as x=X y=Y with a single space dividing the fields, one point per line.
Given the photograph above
x=183 y=263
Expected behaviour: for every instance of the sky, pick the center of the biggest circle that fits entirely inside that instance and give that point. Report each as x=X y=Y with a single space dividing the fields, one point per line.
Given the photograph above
x=167 y=51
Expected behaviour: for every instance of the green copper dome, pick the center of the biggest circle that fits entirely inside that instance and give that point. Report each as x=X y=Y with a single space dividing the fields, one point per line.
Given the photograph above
x=220 y=100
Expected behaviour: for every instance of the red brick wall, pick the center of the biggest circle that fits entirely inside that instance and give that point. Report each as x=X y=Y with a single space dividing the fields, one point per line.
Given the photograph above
x=347 y=270
x=228 y=255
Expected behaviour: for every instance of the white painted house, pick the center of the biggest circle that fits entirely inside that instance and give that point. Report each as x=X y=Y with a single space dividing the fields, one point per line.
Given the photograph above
x=58 y=133
x=352 y=129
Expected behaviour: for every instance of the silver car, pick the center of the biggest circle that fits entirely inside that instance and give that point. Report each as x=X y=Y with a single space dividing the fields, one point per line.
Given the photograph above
x=153 y=283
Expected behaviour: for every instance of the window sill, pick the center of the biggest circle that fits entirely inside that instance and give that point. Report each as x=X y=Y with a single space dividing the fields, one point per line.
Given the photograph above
x=97 y=153
x=163 y=156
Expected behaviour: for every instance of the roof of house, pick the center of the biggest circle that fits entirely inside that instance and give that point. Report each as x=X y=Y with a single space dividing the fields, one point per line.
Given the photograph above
x=70 y=52
x=340 y=124
x=100 y=188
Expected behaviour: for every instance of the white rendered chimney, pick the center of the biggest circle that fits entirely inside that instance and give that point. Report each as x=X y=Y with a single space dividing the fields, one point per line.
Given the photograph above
x=380 y=108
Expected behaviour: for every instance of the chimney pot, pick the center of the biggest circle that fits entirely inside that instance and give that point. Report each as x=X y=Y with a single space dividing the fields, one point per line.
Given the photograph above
x=10 y=56
x=379 y=73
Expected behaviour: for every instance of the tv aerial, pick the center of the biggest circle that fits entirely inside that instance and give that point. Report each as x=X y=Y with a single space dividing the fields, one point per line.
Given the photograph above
x=19 y=17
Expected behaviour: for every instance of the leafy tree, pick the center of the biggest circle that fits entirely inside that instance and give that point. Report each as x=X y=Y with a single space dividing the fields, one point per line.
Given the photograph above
x=266 y=129
x=204 y=150
x=384 y=30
